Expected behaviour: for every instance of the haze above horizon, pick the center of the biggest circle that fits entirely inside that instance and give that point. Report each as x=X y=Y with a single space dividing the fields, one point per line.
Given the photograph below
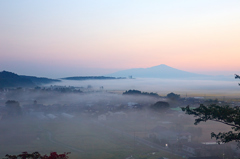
x=69 y=38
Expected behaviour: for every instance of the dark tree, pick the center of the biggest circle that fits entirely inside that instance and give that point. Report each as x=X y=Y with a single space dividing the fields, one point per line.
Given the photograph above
x=137 y=92
x=132 y=92
x=13 y=107
x=173 y=96
x=160 y=106
x=37 y=155
x=237 y=76
x=222 y=114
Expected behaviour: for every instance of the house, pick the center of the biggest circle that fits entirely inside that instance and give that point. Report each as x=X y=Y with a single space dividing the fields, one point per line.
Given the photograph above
x=66 y=115
x=184 y=137
x=51 y=116
x=117 y=115
x=132 y=105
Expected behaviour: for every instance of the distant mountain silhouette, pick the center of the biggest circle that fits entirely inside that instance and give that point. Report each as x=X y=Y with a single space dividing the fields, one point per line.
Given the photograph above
x=160 y=71
x=9 y=79
x=40 y=80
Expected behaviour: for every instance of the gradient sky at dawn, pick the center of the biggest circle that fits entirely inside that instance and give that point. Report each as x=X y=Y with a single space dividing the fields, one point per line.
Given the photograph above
x=93 y=37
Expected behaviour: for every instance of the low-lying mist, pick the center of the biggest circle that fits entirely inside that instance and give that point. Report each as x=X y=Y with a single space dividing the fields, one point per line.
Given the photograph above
x=163 y=86
x=93 y=119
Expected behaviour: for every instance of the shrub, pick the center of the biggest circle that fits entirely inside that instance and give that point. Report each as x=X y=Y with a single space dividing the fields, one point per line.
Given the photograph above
x=37 y=155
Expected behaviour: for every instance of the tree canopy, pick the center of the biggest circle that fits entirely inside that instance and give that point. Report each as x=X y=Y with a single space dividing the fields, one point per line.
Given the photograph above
x=13 y=107
x=37 y=155
x=237 y=76
x=222 y=114
x=137 y=92
x=173 y=96
x=160 y=106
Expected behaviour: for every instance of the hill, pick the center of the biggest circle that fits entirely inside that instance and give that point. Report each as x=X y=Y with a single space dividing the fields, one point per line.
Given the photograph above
x=9 y=79
x=160 y=71
x=40 y=80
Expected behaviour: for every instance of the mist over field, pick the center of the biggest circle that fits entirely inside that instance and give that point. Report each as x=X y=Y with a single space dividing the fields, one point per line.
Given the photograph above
x=113 y=117
x=164 y=86
x=99 y=119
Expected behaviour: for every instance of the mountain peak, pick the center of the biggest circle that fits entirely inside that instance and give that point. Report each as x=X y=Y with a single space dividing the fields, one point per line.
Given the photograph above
x=159 y=71
x=161 y=66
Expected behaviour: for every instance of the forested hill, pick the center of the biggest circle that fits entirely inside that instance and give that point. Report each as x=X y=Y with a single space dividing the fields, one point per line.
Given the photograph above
x=9 y=79
x=40 y=80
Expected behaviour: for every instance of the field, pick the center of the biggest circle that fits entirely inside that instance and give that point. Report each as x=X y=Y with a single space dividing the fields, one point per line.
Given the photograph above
x=88 y=138
x=84 y=139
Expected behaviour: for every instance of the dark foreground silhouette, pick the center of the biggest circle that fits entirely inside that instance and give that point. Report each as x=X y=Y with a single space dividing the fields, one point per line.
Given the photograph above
x=37 y=155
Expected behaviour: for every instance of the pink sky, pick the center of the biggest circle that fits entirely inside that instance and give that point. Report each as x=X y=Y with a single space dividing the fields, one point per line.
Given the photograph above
x=199 y=36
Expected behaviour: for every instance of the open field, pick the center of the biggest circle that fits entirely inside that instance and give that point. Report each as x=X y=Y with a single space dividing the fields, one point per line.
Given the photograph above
x=96 y=141
x=87 y=138
x=21 y=135
x=84 y=139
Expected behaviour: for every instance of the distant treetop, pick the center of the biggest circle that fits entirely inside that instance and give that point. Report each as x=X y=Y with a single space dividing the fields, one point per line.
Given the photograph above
x=160 y=106
x=173 y=96
x=237 y=76
x=137 y=92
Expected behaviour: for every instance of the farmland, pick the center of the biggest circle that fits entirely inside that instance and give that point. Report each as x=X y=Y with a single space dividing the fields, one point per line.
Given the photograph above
x=84 y=139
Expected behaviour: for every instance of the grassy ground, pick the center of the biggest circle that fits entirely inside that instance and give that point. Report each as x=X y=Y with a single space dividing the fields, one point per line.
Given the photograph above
x=21 y=135
x=92 y=141
x=97 y=142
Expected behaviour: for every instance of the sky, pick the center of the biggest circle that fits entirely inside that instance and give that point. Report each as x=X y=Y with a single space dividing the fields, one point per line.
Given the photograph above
x=60 y=38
